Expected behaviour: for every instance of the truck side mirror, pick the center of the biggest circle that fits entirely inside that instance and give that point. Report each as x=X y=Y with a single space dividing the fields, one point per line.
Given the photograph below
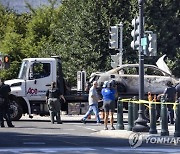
x=31 y=75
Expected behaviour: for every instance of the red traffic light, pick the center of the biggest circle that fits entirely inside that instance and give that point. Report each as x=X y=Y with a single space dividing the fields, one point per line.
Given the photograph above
x=6 y=59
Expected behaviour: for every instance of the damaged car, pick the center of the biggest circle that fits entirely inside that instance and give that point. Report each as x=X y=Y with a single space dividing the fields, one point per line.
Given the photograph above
x=127 y=78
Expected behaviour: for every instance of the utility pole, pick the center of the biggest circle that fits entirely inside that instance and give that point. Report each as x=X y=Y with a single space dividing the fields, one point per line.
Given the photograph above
x=120 y=43
x=141 y=123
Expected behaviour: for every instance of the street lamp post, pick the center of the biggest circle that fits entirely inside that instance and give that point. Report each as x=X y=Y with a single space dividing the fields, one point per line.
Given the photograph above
x=141 y=123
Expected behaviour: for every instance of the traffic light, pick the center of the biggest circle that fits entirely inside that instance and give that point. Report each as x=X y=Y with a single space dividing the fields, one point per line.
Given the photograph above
x=114 y=60
x=6 y=62
x=113 y=37
x=152 y=44
x=135 y=34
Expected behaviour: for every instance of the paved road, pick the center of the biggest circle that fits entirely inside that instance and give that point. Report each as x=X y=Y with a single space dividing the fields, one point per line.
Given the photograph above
x=43 y=133
x=38 y=135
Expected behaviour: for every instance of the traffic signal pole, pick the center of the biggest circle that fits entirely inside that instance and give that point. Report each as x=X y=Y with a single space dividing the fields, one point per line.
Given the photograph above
x=120 y=43
x=141 y=123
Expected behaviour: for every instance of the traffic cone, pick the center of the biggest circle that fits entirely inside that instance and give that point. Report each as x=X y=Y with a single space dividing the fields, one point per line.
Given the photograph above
x=149 y=96
x=89 y=117
x=155 y=98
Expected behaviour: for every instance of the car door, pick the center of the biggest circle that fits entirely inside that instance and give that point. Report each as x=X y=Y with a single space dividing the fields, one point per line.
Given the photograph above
x=129 y=77
x=40 y=78
x=155 y=80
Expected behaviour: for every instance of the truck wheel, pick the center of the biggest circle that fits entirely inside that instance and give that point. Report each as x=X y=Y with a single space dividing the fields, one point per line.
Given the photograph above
x=15 y=110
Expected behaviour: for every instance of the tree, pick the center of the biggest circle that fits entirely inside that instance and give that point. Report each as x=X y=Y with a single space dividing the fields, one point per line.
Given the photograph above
x=83 y=34
x=39 y=31
x=162 y=17
x=11 y=40
x=78 y=31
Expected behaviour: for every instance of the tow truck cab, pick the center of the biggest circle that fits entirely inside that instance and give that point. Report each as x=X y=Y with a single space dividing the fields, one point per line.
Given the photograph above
x=34 y=79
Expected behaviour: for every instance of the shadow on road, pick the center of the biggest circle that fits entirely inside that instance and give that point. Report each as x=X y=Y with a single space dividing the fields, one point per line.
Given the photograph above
x=12 y=139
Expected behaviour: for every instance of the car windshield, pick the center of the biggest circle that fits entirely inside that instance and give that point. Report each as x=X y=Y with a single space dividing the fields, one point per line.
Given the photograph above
x=23 y=70
x=134 y=70
x=129 y=70
x=153 y=71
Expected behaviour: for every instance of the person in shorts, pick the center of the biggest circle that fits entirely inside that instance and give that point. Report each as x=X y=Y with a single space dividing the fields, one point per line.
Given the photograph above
x=109 y=96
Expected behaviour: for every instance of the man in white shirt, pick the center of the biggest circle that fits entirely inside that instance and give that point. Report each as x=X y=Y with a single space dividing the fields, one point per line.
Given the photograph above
x=93 y=104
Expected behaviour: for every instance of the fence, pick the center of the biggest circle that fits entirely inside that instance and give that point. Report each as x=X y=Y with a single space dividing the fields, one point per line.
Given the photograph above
x=133 y=115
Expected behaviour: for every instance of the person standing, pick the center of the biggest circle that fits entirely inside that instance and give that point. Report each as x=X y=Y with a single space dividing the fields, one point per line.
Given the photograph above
x=170 y=95
x=53 y=96
x=4 y=108
x=109 y=96
x=178 y=91
x=93 y=104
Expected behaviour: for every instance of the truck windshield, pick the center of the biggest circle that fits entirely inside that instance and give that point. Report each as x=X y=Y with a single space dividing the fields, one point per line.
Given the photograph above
x=23 y=70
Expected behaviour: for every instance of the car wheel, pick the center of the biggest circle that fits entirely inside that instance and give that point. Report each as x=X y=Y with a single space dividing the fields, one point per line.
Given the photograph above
x=16 y=110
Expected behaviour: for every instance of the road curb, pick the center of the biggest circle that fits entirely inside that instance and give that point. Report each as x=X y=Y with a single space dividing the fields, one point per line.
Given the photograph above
x=115 y=133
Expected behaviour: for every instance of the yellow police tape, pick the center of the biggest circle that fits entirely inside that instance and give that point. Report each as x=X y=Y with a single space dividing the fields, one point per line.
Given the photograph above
x=148 y=102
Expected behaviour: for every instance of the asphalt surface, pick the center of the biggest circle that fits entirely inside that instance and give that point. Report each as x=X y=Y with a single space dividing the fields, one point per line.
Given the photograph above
x=38 y=135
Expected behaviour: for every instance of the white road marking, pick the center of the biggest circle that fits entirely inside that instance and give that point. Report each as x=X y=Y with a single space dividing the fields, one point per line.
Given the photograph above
x=91 y=129
x=18 y=150
x=95 y=130
x=34 y=143
x=50 y=133
x=86 y=149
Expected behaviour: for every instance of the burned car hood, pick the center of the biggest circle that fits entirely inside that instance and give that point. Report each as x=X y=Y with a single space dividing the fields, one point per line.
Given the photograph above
x=162 y=65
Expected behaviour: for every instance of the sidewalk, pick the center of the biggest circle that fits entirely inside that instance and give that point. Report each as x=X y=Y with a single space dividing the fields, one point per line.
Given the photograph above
x=125 y=133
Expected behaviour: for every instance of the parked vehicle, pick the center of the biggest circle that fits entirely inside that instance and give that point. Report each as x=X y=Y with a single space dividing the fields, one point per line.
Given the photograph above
x=29 y=89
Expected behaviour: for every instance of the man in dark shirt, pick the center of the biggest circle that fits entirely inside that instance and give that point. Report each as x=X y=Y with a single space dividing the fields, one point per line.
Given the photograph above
x=4 y=108
x=53 y=96
x=178 y=91
x=170 y=95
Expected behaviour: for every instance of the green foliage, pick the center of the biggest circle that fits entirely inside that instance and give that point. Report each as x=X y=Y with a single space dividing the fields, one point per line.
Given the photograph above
x=78 y=31
x=83 y=34
x=38 y=32
x=80 y=36
x=12 y=72
x=162 y=17
x=11 y=34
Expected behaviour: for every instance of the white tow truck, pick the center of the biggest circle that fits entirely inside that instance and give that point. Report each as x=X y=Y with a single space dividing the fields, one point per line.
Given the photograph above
x=34 y=79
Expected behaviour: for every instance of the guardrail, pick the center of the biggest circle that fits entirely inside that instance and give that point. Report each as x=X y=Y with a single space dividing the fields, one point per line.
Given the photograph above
x=133 y=114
